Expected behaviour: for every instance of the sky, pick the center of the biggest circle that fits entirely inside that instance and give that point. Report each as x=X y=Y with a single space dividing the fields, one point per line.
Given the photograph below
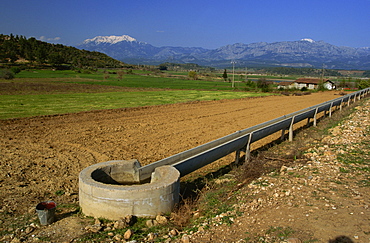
x=190 y=23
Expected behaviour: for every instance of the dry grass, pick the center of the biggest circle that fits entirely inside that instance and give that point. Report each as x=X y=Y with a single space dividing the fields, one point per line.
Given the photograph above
x=184 y=212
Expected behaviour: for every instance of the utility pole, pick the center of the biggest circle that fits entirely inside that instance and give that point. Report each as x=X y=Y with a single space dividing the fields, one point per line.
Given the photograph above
x=233 y=83
x=322 y=73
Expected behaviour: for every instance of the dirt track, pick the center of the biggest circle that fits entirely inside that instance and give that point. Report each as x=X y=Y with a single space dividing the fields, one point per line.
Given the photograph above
x=42 y=156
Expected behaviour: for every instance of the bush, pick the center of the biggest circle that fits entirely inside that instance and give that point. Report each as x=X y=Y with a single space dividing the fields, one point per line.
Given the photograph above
x=263 y=84
x=6 y=74
x=15 y=70
x=364 y=83
x=193 y=75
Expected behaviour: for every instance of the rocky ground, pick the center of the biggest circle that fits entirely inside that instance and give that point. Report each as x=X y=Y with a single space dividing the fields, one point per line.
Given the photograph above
x=313 y=192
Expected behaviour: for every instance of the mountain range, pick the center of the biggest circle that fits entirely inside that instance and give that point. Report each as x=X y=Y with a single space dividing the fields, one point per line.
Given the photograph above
x=301 y=53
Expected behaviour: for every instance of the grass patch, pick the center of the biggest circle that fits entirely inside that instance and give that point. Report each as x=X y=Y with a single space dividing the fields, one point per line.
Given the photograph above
x=364 y=183
x=217 y=199
x=14 y=106
x=134 y=79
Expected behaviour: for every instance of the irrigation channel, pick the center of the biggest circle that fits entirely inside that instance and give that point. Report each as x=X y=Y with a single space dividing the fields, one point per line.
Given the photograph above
x=115 y=189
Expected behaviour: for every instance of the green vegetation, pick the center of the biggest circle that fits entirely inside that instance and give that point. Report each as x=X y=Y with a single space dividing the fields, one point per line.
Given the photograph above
x=184 y=67
x=116 y=88
x=35 y=92
x=6 y=74
x=301 y=71
x=20 y=50
x=366 y=74
x=12 y=106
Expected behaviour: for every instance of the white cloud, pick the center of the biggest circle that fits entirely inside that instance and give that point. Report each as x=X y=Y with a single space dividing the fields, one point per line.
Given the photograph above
x=43 y=38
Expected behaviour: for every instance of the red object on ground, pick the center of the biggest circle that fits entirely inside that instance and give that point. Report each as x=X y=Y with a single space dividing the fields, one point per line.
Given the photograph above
x=46 y=205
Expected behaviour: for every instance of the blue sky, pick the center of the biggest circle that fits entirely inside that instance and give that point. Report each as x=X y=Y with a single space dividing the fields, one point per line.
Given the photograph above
x=190 y=23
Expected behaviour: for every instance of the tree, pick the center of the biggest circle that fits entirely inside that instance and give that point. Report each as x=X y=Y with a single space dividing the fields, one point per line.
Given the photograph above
x=263 y=85
x=120 y=74
x=56 y=58
x=224 y=75
x=162 y=67
x=193 y=75
x=41 y=54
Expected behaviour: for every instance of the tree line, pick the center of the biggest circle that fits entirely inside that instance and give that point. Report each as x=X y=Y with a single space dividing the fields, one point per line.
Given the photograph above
x=19 y=49
x=302 y=71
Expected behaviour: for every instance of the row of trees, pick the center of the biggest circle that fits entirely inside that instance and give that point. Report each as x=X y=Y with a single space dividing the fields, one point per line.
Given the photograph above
x=302 y=71
x=184 y=67
x=18 y=48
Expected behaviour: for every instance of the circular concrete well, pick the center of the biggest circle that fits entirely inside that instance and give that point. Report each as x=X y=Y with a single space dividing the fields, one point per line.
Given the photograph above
x=112 y=190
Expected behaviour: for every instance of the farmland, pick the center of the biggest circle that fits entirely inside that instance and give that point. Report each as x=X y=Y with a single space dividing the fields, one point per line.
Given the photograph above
x=87 y=120
x=47 y=92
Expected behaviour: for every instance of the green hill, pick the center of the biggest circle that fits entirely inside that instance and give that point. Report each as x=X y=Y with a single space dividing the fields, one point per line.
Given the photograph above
x=20 y=50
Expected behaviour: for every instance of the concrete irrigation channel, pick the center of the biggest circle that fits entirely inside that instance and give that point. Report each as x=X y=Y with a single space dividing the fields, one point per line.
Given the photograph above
x=114 y=189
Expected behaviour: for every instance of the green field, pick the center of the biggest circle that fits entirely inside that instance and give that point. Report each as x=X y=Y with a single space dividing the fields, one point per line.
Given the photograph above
x=138 y=79
x=146 y=91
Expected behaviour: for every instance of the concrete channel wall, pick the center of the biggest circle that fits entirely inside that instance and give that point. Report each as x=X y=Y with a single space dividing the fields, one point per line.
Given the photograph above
x=193 y=159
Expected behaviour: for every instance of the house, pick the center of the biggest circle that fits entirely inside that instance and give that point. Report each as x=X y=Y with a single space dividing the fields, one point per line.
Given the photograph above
x=285 y=85
x=312 y=83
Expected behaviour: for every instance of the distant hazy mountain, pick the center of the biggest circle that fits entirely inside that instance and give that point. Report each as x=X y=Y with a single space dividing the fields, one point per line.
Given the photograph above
x=302 y=53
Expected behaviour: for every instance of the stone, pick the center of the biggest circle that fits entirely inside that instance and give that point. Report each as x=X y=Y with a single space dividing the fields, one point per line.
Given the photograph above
x=173 y=232
x=93 y=228
x=97 y=222
x=201 y=229
x=123 y=223
x=117 y=237
x=151 y=237
x=161 y=219
x=151 y=222
x=107 y=228
x=293 y=240
x=283 y=168
x=129 y=219
x=128 y=234
x=29 y=230
x=185 y=239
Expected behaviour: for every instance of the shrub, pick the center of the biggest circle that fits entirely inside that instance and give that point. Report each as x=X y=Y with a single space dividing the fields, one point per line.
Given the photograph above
x=15 y=70
x=364 y=83
x=6 y=74
x=263 y=84
x=193 y=75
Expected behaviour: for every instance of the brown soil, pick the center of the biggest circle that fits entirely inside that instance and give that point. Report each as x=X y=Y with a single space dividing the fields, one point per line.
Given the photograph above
x=41 y=157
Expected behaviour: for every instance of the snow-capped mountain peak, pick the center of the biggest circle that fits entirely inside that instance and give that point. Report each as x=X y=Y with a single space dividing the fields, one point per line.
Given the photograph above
x=109 y=39
x=308 y=39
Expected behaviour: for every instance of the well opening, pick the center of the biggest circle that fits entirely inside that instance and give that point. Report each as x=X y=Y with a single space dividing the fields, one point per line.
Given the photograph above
x=117 y=173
